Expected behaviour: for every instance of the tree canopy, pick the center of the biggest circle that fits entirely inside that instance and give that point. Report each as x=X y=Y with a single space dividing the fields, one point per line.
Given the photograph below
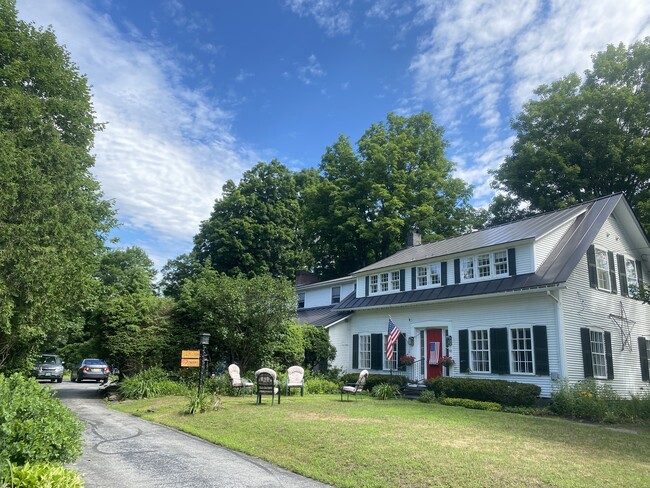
x=53 y=219
x=366 y=202
x=585 y=138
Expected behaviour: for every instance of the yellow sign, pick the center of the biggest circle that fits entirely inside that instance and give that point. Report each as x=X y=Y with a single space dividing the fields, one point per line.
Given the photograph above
x=190 y=363
x=191 y=355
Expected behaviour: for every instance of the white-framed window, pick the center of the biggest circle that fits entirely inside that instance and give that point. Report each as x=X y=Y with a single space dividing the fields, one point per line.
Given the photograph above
x=336 y=294
x=602 y=270
x=393 y=363
x=521 y=350
x=384 y=282
x=631 y=274
x=598 y=357
x=374 y=284
x=428 y=275
x=483 y=266
x=480 y=351
x=301 y=299
x=364 y=351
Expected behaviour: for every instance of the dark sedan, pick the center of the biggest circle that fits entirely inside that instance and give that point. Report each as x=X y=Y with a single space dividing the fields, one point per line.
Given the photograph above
x=90 y=369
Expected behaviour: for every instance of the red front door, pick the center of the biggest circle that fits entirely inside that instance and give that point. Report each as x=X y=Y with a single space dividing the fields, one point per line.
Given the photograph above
x=434 y=340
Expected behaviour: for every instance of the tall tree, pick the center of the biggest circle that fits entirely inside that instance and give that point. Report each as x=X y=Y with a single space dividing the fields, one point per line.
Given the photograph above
x=368 y=201
x=583 y=139
x=253 y=228
x=53 y=219
x=176 y=272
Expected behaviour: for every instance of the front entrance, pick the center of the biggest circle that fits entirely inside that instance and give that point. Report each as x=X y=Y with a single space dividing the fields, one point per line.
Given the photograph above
x=434 y=351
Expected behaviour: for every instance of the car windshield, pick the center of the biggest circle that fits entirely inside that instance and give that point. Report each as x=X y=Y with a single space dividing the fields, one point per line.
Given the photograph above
x=94 y=362
x=49 y=360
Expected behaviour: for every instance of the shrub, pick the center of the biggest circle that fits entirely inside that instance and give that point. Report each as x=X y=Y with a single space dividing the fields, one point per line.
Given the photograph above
x=151 y=383
x=202 y=402
x=34 y=425
x=320 y=386
x=375 y=379
x=506 y=393
x=385 y=391
x=40 y=475
x=467 y=403
x=427 y=397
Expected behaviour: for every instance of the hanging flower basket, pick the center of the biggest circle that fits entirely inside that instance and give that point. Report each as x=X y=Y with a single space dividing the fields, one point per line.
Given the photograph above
x=406 y=360
x=447 y=361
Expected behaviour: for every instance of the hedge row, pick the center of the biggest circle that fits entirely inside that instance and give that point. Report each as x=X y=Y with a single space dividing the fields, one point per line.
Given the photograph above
x=374 y=380
x=475 y=404
x=507 y=393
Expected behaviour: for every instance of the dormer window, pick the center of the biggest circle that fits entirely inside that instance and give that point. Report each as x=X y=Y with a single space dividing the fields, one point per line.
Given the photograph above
x=301 y=299
x=485 y=265
x=336 y=294
x=384 y=282
x=428 y=275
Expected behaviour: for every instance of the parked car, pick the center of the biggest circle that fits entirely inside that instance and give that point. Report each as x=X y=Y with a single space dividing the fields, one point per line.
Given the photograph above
x=49 y=367
x=90 y=369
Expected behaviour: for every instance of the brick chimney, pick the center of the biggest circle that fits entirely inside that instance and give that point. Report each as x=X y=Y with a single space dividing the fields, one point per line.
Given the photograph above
x=305 y=278
x=413 y=239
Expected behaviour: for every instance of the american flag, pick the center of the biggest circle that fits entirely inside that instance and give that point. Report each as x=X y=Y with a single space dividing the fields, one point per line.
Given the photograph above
x=393 y=335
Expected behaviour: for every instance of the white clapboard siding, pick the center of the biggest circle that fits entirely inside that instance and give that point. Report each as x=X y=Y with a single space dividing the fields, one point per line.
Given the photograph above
x=545 y=244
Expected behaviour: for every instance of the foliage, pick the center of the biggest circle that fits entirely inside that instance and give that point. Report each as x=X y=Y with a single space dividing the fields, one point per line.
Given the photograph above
x=406 y=359
x=385 y=391
x=374 y=379
x=467 y=403
x=583 y=139
x=245 y=317
x=318 y=349
x=35 y=426
x=320 y=386
x=253 y=228
x=365 y=204
x=54 y=220
x=504 y=392
x=176 y=272
x=150 y=383
x=201 y=402
x=447 y=361
x=289 y=349
x=40 y=475
x=427 y=397
x=588 y=400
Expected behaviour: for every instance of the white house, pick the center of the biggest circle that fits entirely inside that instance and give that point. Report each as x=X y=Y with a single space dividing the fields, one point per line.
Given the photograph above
x=541 y=299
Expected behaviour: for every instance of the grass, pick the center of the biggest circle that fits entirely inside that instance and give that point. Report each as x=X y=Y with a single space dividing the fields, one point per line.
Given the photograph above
x=402 y=443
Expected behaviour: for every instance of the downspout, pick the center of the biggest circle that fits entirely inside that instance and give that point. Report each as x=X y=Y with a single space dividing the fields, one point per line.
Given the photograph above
x=559 y=321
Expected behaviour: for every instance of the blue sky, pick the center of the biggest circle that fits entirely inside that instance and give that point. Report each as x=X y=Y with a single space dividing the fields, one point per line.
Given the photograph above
x=197 y=92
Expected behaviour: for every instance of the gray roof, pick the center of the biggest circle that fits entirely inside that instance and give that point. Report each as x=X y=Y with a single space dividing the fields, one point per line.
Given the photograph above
x=587 y=219
x=530 y=228
x=321 y=316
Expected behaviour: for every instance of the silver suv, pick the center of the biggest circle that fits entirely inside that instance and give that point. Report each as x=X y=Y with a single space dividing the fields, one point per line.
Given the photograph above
x=49 y=367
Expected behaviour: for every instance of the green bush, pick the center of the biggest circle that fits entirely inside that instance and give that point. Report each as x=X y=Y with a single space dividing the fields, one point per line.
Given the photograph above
x=151 y=383
x=506 y=393
x=40 y=475
x=320 y=386
x=385 y=391
x=588 y=400
x=427 y=397
x=203 y=402
x=375 y=379
x=34 y=425
x=467 y=403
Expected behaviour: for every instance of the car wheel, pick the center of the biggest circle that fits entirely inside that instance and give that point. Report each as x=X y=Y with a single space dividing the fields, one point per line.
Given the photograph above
x=78 y=379
x=71 y=378
x=59 y=380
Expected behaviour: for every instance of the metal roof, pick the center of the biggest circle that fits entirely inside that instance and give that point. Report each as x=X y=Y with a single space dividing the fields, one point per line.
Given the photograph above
x=321 y=316
x=586 y=220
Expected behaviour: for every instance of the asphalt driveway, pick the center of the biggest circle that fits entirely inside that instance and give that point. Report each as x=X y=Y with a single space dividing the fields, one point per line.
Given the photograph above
x=123 y=451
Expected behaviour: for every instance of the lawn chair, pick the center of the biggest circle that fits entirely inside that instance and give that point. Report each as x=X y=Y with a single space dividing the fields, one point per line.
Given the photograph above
x=295 y=379
x=237 y=382
x=267 y=384
x=354 y=388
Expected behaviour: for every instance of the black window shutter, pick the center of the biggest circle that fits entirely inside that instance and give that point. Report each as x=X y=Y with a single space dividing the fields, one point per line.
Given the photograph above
x=367 y=285
x=443 y=273
x=401 y=346
x=402 y=279
x=512 y=262
x=608 y=356
x=377 y=351
x=639 y=275
x=591 y=264
x=541 y=350
x=499 y=360
x=622 y=276
x=612 y=270
x=643 y=357
x=585 y=339
x=463 y=350
x=414 y=278
x=456 y=271
x=355 y=351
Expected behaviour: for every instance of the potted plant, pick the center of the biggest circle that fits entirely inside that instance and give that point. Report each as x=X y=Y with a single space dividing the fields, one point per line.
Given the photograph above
x=406 y=360
x=447 y=361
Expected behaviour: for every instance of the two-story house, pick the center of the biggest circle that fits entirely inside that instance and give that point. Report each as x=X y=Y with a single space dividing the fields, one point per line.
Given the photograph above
x=545 y=298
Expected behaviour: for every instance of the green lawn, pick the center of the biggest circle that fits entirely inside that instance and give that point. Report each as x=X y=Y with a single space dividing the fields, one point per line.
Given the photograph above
x=399 y=443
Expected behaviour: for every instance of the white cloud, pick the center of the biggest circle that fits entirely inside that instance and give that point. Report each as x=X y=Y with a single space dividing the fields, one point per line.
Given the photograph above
x=311 y=70
x=166 y=150
x=333 y=16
